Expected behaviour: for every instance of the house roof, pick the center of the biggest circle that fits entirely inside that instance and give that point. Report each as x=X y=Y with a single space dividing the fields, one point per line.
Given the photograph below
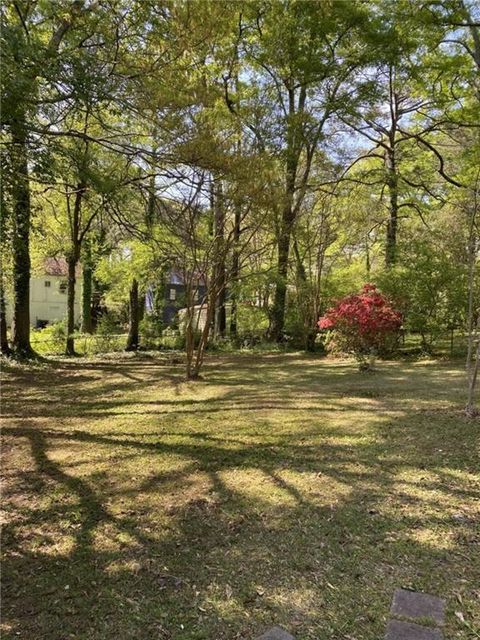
x=177 y=276
x=57 y=267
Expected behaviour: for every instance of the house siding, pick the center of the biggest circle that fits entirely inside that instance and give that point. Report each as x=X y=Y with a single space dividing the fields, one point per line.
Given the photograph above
x=48 y=304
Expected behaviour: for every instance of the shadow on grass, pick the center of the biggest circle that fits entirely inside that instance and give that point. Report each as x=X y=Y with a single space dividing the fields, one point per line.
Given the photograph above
x=245 y=382
x=317 y=541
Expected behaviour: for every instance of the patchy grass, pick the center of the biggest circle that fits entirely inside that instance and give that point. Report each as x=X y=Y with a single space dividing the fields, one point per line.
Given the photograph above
x=281 y=489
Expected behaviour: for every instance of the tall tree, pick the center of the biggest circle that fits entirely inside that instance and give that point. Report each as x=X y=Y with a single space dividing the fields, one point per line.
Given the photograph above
x=220 y=321
x=87 y=286
x=301 y=57
x=31 y=40
x=4 y=247
x=134 y=318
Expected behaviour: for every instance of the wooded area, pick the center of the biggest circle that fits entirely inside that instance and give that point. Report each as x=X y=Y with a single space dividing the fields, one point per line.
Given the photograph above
x=279 y=154
x=240 y=319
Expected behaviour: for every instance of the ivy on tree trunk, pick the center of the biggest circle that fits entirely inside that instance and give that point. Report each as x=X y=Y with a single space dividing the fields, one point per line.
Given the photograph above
x=87 y=282
x=21 y=240
x=70 y=344
x=4 y=346
x=133 y=337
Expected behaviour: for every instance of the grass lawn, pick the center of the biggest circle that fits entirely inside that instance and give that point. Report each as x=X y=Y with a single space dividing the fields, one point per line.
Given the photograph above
x=281 y=489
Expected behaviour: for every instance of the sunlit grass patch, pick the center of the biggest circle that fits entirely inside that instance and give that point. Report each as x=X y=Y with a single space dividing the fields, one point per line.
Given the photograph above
x=278 y=490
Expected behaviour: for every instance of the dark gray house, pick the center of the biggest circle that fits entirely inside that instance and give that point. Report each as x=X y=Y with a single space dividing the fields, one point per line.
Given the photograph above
x=173 y=297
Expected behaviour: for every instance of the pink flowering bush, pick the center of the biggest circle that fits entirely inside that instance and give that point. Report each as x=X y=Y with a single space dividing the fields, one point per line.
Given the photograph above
x=364 y=324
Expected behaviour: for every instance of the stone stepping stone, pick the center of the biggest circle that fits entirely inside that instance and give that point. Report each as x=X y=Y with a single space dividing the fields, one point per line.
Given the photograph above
x=413 y=605
x=276 y=633
x=398 y=630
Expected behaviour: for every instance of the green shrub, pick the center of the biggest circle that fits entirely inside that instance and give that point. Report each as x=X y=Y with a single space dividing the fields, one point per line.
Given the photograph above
x=108 y=324
x=151 y=331
x=252 y=319
x=176 y=340
x=51 y=339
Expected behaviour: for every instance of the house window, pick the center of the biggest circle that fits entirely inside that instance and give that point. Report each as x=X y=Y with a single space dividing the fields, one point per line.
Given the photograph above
x=173 y=294
x=62 y=287
x=47 y=283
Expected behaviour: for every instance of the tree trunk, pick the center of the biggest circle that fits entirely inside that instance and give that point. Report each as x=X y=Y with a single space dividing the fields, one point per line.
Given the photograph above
x=203 y=341
x=190 y=331
x=392 y=184
x=70 y=344
x=189 y=347
x=220 y=315
x=220 y=322
x=21 y=191
x=4 y=346
x=195 y=354
x=472 y=326
x=277 y=314
x=472 y=258
x=150 y=210
x=21 y=241
x=472 y=371
x=367 y=257
x=310 y=340
x=87 y=286
x=306 y=303
x=72 y=261
x=133 y=340
x=235 y=275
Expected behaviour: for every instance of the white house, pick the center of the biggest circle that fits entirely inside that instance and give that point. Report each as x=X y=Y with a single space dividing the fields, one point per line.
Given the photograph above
x=48 y=294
